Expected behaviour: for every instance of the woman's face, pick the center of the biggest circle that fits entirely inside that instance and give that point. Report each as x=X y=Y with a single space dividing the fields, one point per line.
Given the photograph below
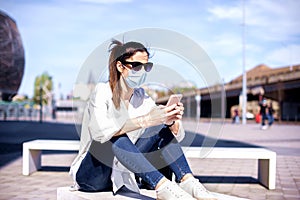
x=139 y=56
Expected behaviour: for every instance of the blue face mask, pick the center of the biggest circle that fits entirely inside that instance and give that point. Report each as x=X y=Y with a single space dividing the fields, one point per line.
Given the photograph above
x=135 y=79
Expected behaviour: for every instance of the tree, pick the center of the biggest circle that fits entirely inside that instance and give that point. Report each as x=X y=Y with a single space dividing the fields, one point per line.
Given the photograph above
x=43 y=86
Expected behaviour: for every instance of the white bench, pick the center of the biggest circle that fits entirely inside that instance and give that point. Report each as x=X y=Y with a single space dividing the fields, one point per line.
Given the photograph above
x=266 y=158
x=32 y=152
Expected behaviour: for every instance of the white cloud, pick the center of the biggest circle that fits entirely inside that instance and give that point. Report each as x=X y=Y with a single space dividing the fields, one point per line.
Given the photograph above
x=267 y=19
x=226 y=12
x=274 y=20
x=284 y=56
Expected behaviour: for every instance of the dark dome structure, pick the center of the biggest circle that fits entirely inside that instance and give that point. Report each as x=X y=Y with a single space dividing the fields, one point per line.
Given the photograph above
x=11 y=58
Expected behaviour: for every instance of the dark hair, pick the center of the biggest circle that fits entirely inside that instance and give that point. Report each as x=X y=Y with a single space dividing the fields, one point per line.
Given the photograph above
x=120 y=52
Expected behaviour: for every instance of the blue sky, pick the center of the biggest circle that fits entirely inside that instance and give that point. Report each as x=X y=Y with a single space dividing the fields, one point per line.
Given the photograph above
x=58 y=36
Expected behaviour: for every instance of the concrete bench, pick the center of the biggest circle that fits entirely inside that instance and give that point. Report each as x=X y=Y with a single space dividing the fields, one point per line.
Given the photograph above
x=266 y=158
x=32 y=152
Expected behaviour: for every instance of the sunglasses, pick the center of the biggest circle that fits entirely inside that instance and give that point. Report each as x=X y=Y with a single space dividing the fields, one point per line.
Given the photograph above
x=137 y=66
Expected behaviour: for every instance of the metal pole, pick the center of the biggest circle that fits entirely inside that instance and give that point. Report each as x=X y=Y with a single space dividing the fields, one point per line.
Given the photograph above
x=244 y=109
x=223 y=101
x=41 y=102
x=198 y=102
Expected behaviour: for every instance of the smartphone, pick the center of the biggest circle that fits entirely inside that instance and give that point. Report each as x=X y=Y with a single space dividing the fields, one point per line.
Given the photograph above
x=174 y=99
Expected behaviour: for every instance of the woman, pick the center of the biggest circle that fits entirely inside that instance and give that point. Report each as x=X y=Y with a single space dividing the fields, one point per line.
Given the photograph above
x=125 y=135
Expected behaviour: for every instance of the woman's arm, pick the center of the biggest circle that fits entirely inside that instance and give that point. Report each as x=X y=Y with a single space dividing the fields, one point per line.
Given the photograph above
x=130 y=125
x=158 y=115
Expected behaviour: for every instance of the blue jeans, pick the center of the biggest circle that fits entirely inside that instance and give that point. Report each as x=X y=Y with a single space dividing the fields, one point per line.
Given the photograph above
x=264 y=117
x=156 y=149
x=270 y=119
x=95 y=169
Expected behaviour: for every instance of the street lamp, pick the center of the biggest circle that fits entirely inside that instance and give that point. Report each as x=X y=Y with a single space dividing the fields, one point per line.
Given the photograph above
x=244 y=92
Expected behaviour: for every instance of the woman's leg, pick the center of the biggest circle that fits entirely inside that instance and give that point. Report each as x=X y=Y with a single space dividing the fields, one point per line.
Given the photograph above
x=148 y=144
x=95 y=169
x=173 y=155
x=131 y=157
x=164 y=144
x=154 y=146
x=263 y=118
x=270 y=119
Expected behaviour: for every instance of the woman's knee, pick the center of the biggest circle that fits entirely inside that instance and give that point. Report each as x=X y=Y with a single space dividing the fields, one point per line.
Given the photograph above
x=117 y=140
x=122 y=144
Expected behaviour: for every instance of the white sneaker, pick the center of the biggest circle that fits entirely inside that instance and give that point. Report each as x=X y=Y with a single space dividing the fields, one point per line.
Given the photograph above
x=196 y=189
x=171 y=191
x=265 y=127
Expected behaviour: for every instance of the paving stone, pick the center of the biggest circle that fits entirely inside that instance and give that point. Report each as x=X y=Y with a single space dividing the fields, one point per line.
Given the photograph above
x=4 y=196
x=291 y=197
x=291 y=191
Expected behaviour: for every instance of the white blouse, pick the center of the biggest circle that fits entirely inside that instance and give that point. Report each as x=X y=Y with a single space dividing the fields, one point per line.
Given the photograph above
x=101 y=121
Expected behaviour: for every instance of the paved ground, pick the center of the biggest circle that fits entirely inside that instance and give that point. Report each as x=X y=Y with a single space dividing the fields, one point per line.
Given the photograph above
x=232 y=177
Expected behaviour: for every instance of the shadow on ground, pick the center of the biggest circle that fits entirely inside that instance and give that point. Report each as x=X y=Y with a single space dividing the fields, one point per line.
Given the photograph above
x=14 y=133
x=228 y=179
x=196 y=139
x=128 y=193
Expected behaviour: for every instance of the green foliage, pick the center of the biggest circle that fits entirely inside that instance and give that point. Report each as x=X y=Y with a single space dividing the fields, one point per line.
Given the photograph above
x=181 y=90
x=174 y=90
x=43 y=86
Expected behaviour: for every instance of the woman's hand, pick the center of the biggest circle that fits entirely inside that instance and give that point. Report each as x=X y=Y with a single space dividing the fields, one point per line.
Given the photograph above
x=159 y=115
x=178 y=116
x=174 y=122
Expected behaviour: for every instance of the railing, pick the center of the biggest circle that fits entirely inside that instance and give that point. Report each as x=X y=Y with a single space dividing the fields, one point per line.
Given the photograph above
x=13 y=111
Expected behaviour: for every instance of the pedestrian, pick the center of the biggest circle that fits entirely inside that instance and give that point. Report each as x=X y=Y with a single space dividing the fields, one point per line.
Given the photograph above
x=263 y=113
x=125 y=134
x=53 y=103
x=270 y=114
x=236 y=117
